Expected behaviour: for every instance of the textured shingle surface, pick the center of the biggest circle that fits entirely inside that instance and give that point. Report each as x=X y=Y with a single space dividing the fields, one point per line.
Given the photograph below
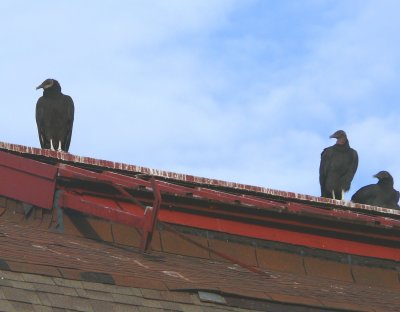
x=25 y=292
x=28 y=292
x=48 y=269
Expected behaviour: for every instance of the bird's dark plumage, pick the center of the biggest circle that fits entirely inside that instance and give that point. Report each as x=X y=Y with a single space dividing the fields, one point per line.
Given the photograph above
x=337 y=168
x=54 y=116
x=381 y=194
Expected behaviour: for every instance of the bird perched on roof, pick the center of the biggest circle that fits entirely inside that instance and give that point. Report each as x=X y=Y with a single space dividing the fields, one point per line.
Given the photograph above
x=381 y=194
x=54 y=117
x=338 y=165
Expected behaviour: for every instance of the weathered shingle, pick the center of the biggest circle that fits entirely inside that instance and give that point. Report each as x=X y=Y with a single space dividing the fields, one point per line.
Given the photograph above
x=20 y=295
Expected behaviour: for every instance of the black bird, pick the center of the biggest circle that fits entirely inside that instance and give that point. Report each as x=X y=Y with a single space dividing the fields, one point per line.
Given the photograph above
x=54 y=116
x=381 y=194
x=338 y=165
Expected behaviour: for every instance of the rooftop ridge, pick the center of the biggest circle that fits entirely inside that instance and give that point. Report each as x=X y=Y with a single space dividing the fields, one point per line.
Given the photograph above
x=67 y=157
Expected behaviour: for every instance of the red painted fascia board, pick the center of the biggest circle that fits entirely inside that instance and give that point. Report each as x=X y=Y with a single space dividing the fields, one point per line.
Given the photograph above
x=76 y=202
x=235 y=187
x=22 y=167
x=252 y=202
x=285 y=230
x=27 y=180
x=28 y=173
x=281 y=235
x=70 y=172
x=361 y=228
x=217 y=198
x=335 y=222
x=27 y=166
x=33 y=182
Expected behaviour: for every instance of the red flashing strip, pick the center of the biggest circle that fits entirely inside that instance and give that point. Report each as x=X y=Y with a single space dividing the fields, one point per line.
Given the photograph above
x=281 y=235
x=76 y=202
x=359 y=228
x=28 y=166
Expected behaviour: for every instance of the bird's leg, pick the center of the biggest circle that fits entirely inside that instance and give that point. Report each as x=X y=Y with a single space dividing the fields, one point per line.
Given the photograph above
x=59 y=146
x=333 y=194
x=51 y=145
x=342 y=194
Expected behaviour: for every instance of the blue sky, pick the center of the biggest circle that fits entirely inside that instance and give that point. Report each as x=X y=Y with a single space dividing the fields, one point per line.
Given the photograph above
x=240 y=90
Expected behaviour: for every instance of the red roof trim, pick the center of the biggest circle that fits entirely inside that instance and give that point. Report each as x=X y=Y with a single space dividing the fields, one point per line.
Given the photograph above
x=125 y=199
x=281 y=235
x=248 y=222
x=35 y=178
x=185 y=178
x=215 y=199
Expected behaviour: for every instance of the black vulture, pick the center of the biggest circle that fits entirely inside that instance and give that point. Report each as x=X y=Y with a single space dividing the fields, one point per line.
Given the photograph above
x=381 y=194
x=338 y=165
x=54 y=117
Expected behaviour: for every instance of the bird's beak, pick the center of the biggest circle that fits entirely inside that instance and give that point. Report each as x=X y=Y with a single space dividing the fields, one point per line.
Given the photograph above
x=333 y=136
x=378 y=176
x=48 y=83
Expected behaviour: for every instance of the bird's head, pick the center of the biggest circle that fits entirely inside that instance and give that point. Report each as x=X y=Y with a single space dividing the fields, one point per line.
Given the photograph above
x=48 y=83
x=340 y=136
x=381 y=175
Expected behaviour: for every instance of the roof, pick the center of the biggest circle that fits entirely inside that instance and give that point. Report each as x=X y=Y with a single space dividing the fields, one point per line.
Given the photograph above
x=51 y=156
x=84 y=234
